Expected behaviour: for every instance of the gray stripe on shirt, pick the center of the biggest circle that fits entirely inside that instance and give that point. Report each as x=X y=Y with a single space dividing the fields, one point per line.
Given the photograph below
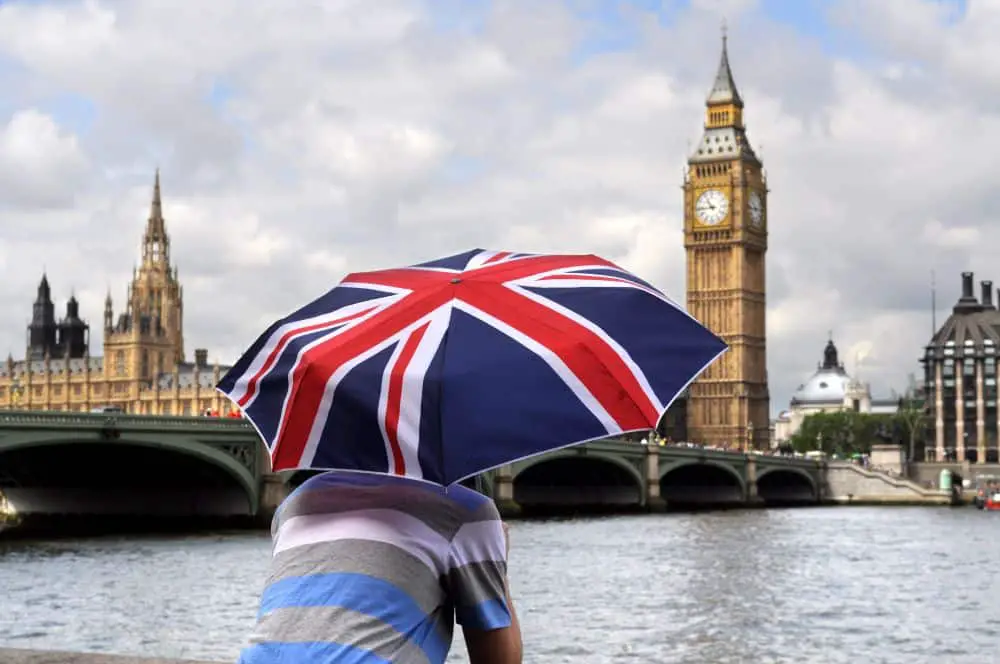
x=357 y=556
x=323 y=624
x=479 y=582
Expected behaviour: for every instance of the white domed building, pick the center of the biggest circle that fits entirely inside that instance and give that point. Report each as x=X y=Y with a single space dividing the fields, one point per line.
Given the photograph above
x=828 y=390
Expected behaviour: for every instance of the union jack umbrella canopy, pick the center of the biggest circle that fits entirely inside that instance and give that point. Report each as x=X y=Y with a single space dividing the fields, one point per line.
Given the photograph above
x=443 y=370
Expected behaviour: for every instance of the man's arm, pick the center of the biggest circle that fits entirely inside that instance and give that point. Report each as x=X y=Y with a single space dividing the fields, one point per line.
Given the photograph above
x=481 y=593
x=497 y=646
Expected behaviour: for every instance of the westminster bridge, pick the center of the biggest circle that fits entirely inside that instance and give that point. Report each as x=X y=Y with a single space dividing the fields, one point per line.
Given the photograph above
x=54 y=463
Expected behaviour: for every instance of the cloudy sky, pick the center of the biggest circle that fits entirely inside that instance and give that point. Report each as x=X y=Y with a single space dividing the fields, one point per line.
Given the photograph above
x=301 y=140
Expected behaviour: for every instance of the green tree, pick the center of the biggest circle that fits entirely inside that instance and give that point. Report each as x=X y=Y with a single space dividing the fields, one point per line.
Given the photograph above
x=841 y=433
x=912 y=420
x=824 y=432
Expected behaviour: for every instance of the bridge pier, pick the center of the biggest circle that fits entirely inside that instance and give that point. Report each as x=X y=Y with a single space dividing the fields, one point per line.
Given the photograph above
x=823 y=484
x=503 y=492
x=654 y=501
x=752 y=497
x=274 y=488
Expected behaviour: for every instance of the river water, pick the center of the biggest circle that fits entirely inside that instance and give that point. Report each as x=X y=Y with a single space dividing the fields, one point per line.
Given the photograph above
x=825 y=585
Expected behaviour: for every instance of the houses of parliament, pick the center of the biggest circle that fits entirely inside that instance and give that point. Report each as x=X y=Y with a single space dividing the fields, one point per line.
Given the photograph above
x=143 y=369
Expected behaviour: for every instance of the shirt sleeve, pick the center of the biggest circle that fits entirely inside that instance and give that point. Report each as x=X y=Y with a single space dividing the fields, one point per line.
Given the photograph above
x=478 y=571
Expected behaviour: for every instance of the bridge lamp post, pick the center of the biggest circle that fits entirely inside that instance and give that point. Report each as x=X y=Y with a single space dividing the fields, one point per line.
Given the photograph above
x=16 y=390
x=749 y=443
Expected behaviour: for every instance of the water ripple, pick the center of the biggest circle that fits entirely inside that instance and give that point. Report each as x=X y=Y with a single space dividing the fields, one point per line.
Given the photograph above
x=820 y=585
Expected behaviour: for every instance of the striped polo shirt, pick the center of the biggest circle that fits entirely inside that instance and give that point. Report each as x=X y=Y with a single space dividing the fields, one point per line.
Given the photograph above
x=369 y=569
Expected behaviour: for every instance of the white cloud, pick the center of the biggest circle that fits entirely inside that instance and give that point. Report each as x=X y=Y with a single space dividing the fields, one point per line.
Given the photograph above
x=40 y=164
x=299 y=141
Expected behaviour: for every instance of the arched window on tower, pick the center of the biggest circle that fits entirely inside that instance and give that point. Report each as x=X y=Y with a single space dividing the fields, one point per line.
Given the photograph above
x=144 y=369
x=120 y=363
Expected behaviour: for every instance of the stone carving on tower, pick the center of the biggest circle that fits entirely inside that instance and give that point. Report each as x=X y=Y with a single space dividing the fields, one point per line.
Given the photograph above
x=725 y=240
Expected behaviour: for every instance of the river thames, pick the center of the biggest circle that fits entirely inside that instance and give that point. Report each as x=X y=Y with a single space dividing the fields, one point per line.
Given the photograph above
x=825 y=585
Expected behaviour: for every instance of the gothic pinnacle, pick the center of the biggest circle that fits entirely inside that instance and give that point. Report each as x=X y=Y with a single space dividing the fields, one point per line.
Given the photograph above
x=156 y=228
x=724 y=89
x=156 y=211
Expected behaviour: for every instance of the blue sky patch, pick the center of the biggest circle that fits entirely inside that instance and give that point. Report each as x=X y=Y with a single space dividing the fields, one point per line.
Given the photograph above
x=458 y=15
x=73 y=111
x=220 y=93
x=458 y=168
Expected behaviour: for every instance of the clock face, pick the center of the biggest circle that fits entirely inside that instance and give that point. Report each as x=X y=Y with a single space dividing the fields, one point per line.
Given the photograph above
x=756 y=205
x=711 y=207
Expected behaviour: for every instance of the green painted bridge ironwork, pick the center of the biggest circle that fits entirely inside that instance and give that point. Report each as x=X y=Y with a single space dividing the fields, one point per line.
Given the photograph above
x=621 y=473
x=217 y=463
x=118 y=461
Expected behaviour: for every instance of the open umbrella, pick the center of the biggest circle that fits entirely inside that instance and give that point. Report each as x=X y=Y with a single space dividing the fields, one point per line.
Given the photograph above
x=446 y=369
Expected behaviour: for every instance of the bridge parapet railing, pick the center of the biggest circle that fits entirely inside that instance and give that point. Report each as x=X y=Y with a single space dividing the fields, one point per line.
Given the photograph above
x=799 y=462
x=39 y=419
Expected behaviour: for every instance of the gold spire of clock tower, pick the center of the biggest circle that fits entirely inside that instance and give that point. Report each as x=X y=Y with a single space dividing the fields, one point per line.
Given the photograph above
x=725 y=239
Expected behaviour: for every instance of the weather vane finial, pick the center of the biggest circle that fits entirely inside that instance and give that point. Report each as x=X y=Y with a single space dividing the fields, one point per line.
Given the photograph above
x=725 y=30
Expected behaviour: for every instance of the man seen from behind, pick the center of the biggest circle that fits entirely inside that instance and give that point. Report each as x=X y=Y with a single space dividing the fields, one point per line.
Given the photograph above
x=371 y=569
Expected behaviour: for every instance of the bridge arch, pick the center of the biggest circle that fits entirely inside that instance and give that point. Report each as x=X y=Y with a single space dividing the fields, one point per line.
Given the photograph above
x=569 y=479
x=702 y=483
x=786 y=485
x=226 y=488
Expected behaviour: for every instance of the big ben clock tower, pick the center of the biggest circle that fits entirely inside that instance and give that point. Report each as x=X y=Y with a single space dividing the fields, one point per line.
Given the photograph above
x=725 y=239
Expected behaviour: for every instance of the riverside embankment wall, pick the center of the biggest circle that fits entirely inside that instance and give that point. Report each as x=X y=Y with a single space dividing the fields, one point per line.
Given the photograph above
x=16 y=656
x=851 y=484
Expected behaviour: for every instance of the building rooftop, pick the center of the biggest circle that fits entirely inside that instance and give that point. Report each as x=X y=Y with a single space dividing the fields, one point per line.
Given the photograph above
x=58 y=367
x=724 y=87
x=723 y=143
x=185 y=376
x=830 y=382
x=726 y=140
x=973 y=326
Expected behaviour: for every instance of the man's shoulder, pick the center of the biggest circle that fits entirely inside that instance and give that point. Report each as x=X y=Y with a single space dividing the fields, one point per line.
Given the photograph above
x=332 y=493
x=476 y=506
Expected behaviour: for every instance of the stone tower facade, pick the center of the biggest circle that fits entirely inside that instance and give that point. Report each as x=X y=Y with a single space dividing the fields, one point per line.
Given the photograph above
x=143 y=370
x=725 y=240
x=68 y=338
x=147 y=338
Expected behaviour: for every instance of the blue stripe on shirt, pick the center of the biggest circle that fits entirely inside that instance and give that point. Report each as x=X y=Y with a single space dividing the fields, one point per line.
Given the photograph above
x=488 y=615
x=362 y=593
x=313 y=653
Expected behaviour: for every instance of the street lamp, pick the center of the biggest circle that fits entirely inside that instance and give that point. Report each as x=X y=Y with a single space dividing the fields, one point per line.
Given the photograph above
x=749 y=443
x=16 y=390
